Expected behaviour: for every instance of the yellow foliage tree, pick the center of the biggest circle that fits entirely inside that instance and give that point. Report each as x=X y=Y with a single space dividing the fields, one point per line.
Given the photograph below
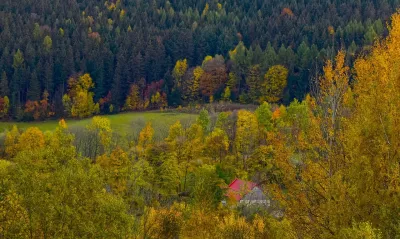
x=201 y=224
x=232 y=226
x=161 y=223
x=217 y=144
x=100 y=127
x=275 y=81
x=246 y=134
x=175 y=132
x=195 y=87
x=11 y=141
x=79 y=100
x=205 y=10
x=32 y=139
x=206 y=59
x=13 y=216
x=145 y=139
x=116 y=167
x=133 y=100
x=373 y=139
x=333 y=87
x=180 y=69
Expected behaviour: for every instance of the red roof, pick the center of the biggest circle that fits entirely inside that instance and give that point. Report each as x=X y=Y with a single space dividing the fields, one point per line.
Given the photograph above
x=239 y=188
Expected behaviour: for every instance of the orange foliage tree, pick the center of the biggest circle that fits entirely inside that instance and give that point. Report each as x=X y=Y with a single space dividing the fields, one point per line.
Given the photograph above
x=39 y=110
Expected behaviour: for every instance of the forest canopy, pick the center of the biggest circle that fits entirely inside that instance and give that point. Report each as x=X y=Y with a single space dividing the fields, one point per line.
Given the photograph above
x=329 y=163
x=131 y=48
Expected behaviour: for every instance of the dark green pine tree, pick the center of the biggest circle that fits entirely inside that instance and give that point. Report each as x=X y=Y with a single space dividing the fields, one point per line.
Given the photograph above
x=270 y=56
x=138 y=67
x=59 y=74
x=99 y=90
x=117 y=91
x=303 y=56
x=18 y=65
x=48 y=76
x=69 y=64
x=5 y=61
x=34 y=89
x=154 y=60
x=259 y=58
x=4 y=90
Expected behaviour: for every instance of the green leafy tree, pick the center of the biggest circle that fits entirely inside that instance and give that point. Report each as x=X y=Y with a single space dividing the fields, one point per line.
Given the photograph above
x=204 y=120
x=169 y=178
x=264 y=117
x=227 y=94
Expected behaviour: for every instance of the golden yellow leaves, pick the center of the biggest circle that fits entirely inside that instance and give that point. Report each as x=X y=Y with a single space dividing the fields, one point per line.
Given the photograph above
x=180 y=69
x=336 y=78
x=232 y=226
x=226 y=96
x=198 y=223
x=246 y=134
x=205 y=10
x=13 y=216
x=162 y=223
x=31 y=139
x=275 y=81
x=145 y=139
x=206 y=59
x=217 y=143
x=116 y=168
x=175 y=131
x=198 y=72
x=79 y=100
x=62 y=124
x=112 y=5
x=11 y=141
x=133 y=100
x=122 y=14
x=201 y=224
x=102 y=127
x=331 y=30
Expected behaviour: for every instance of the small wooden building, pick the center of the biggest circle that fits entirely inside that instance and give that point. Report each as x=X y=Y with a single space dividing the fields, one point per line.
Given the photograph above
x=245 y=192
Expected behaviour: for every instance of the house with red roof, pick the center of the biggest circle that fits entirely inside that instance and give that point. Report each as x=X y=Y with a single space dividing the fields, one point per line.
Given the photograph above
x=246 y=192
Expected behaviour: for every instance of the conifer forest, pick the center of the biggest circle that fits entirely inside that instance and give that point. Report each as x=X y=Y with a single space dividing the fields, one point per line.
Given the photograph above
x=242 y=119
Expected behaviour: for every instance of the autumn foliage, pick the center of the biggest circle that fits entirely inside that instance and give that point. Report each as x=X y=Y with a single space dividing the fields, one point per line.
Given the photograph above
x=4 y=107
x=328 y=164
x=41 y=109
x=79 y=100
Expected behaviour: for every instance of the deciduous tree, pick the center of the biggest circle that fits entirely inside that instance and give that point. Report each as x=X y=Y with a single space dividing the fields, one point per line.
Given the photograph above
x=275 y=81
x=79 y=101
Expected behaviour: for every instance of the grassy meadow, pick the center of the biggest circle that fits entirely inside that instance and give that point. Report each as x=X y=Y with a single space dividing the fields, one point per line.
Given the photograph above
x=124 y=123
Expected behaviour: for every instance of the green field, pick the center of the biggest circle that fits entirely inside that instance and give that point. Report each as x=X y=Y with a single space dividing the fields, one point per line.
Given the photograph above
x=124 y=123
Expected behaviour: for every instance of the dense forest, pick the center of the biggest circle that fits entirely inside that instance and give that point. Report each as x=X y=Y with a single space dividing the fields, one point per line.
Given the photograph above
x=330 y=163
x=152 y=54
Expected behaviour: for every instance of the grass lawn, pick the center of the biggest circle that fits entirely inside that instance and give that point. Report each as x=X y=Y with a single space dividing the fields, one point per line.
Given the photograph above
x=123 y=123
